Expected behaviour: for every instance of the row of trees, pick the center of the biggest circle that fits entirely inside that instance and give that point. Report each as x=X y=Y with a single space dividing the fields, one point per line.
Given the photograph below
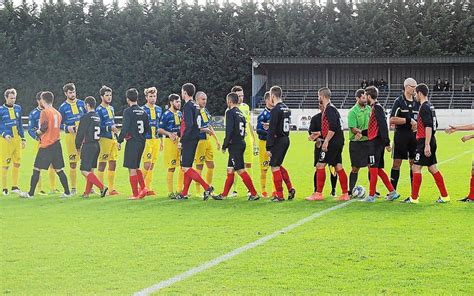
x=165 y=44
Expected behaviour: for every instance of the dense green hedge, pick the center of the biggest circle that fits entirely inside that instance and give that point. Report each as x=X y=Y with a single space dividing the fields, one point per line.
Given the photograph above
x=167 y=44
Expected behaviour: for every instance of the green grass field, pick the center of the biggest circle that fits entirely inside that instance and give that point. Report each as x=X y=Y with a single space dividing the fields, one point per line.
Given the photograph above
x=116 y=246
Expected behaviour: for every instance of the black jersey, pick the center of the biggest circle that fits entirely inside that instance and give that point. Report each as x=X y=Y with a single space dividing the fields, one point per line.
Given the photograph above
x=279 y=126
x=426 y=118
x=189 y=126
x=315 y=124
x=405 y=109
x=135 y=125
x=331 y=121
x=378 y=127
x=234 y=128
x=89 y=129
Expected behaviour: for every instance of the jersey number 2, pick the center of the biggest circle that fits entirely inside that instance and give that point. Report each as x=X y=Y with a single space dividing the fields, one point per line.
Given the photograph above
x=96 y=132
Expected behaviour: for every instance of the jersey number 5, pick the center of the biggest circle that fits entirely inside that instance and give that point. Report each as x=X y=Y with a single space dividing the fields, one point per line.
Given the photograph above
x=242 y=129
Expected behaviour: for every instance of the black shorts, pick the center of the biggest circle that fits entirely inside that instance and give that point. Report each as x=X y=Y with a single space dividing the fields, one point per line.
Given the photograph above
x=376 y=153
x=50 y=156
x=404 y=145
x=188 y=152
x=89 y=154
x=133 y=154
x=236 y=156
x=420 y=157
x=278 y=151
x=333 y=156
x=359 y=153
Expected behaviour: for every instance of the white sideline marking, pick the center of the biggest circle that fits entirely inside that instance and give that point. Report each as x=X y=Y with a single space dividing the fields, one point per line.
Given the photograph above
x=238 y=251
x=231 y=254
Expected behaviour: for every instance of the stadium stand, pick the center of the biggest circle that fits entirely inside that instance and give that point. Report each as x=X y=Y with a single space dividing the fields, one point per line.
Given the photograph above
x=344 y=99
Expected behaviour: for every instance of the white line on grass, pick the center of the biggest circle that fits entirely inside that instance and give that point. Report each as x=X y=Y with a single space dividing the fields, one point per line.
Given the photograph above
x=238 y=251
x=231 y=254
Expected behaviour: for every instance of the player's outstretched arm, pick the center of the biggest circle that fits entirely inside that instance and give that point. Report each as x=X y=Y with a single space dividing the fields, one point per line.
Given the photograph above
x=454 y=128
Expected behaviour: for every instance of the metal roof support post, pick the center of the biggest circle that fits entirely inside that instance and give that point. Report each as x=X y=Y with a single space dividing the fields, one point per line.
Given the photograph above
x=452 y=78
x=389 y=79
x=327 y=76
x=252 y=103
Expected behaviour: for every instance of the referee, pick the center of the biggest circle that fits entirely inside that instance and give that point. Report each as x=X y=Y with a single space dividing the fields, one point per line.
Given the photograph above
x=358 y=120
x=404 y=116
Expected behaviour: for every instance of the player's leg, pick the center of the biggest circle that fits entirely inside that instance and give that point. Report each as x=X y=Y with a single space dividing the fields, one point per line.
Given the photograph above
x=439 y=180
x=209 y=158
x=415 y=188
x=52 y=180
x=143 y=190
x=333 y=179
x=199 y=161
x=103 y=158
x=399 y=153
x=73 y=159
x=112 y=165
x=188 y=152
x=89 y=155
x=353 y=176
x=229 y=181
x=263 y=162
x=341 y=173
x=58 y=165
x=148 y=162
x=16 y=160
x=470 y=197
x=392 y=193
x=239 y=166
x=5 y=153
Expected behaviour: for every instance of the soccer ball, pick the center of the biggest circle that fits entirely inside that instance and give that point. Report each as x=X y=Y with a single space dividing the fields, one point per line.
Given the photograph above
x=359 y=192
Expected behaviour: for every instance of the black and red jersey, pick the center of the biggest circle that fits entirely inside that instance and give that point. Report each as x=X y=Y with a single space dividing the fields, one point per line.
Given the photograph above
x=426 y=118
x=378 y=127
x=331 y=121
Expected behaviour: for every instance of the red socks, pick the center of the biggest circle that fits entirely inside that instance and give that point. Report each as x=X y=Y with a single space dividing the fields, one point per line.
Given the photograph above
x=386 y=181
x=415 y=189
x=321 y=178
x=134 y=184
x=277 y=181
x=286 y=178
x=249 y=184
x=228 y=184
x=343 y=180
x=197 y=178
x=471 y=193
x=373 y=180
x=140 y=179
x=440 y=183
x=192 y=175
x=93 y=180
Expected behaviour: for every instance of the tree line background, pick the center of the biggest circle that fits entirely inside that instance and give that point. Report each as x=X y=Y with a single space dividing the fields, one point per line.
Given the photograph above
x=165 y=44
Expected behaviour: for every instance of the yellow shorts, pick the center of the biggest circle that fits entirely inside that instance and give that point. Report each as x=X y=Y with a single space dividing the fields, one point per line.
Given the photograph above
x=108 y=150
x=248 y=154
x=264 y=160
x=204 y=151
x=10 y=152
x=152 y=147
x=71 y=148
x=171 y=152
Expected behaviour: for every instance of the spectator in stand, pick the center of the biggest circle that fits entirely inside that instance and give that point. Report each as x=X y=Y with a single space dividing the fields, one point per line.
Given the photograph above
x=383 y=85
x=374 y=82
x=467 y=84
x=438 y=85
x=364 y=84
x=446 y=86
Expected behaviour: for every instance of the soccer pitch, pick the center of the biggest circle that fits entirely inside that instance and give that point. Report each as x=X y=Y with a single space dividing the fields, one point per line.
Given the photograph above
x=117 y=246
